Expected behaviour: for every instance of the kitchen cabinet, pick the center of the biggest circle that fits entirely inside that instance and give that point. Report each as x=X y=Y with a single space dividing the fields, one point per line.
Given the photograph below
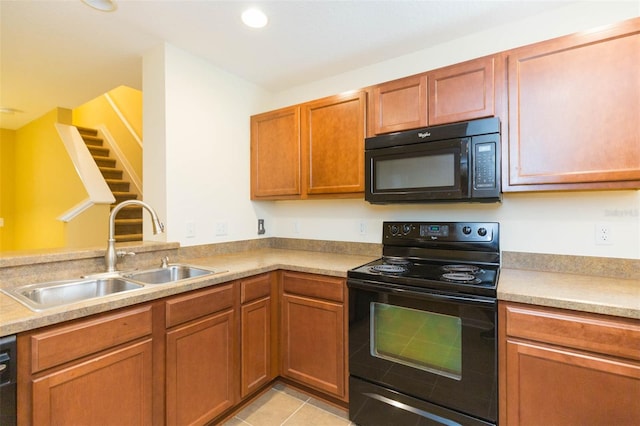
x=313 y=332
x=258 y=366
x=276 y=155
x=563 y=367
x=400 y=104
x=333 y=131
x=311 y=150
x=200 y=355
x=574 y=104
x=455 y=93
x=90 y=371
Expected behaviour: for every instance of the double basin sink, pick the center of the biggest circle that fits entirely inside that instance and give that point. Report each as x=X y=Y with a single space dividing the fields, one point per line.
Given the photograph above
x=58 y=293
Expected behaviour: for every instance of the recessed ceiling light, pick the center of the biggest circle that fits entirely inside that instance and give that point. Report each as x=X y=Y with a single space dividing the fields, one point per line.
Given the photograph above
x=102 y=5
x=254 y=18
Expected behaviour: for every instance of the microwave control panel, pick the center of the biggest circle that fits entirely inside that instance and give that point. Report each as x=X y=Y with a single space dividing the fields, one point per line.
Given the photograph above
x=484 y=158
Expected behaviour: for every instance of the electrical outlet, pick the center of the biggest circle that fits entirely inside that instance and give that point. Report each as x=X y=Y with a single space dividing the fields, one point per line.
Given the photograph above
x=190 y=229
x=363 y=227
x=296 y=227
x=603 y=234
x=221 y=228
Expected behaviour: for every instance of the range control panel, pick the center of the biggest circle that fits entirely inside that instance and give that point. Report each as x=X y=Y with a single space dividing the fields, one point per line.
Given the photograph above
x=440 y=231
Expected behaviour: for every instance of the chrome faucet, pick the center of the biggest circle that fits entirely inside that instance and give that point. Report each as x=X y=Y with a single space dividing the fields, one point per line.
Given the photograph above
x=111 y=257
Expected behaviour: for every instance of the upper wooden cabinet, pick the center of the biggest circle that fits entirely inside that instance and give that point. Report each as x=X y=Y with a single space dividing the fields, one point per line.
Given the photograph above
x=400 y=104
x=275 y=154
x=333 y=132
x=574 y=104
x=462 y=92
x=315 y=149
x=458 y=92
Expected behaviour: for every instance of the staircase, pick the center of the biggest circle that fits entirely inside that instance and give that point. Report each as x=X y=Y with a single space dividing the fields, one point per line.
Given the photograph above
x=129 y=220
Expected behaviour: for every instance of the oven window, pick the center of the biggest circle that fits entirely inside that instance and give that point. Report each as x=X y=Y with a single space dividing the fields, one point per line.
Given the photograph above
x=419 y=339
x=427 y=171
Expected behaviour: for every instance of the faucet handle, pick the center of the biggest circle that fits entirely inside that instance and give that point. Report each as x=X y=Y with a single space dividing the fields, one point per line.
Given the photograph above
x=123 y=253
x=165 y=262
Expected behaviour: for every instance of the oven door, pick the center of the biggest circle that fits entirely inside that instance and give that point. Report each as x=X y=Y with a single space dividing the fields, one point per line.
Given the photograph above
x=434 y=347
x=429 y=171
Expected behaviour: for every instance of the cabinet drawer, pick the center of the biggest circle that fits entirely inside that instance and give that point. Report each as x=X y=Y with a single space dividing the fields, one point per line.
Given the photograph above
x=255 y=288
x=315 y=286
x=198 y=304
x=73 y=341
x=589 y=332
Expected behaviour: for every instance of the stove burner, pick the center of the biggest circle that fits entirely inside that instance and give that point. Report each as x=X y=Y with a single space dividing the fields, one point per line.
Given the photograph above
x=388 y=269
x=469 y=269
x=396 y=260
x=461 y=277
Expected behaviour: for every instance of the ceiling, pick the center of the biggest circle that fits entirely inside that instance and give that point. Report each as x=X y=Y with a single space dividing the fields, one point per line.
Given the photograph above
x=64 y=53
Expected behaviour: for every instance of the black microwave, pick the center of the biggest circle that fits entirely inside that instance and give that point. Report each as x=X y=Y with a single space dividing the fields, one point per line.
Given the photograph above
x=448 y=163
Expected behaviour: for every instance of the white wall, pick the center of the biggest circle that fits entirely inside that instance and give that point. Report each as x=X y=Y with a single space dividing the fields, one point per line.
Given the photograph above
x=206 y=144
x=559 y=223
x=207 y=155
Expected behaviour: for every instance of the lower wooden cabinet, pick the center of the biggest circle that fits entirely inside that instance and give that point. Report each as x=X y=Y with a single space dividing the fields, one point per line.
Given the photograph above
x=187 y=359
x=313 y=333
x=256 y=334
x=111 y=389
x=88 y=372
x=200 y=353
x=561 y=367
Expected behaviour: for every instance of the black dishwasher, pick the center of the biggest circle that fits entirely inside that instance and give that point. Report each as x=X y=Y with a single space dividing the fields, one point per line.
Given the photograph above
x=8 y=374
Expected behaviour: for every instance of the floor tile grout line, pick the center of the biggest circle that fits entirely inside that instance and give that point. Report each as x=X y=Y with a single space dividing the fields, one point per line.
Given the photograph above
x=293 y=414
x=242 y=420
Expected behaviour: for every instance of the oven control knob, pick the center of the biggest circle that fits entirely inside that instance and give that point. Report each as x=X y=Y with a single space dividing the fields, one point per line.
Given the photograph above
x=482 y=232
x=406 y=229
x=395 y=229
x=466 y=230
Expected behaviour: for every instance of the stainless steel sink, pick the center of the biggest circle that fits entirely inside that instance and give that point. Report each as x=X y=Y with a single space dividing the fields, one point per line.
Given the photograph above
x=170 y=273
x=57 y=293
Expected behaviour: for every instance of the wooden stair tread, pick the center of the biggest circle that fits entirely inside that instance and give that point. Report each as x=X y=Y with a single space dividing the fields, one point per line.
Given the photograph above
x=128 y=226
x=87 y=131
x=92 y=140
x=128 y=221
x=128 y=237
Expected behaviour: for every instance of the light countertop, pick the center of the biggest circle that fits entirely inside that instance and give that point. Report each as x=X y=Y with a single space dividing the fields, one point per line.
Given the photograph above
x=610 y=296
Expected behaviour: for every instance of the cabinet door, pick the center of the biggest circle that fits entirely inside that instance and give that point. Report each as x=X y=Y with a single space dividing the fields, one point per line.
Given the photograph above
x=554 y=386
x=333 y=133
x=111 y=389
x=574 y=104
x=256 y=345
x=275 y=154
x=400 y=104
x=462 y=92
x=199 y=369
x=313 y=343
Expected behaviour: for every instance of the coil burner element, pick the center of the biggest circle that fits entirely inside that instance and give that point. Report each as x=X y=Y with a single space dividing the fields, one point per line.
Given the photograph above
x=388 y=269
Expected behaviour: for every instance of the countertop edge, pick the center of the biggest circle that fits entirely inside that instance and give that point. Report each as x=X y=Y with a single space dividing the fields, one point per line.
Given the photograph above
x=559 y=290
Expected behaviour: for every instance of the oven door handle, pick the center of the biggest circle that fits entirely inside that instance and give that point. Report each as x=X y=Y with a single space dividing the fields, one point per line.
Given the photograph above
x=430 y=294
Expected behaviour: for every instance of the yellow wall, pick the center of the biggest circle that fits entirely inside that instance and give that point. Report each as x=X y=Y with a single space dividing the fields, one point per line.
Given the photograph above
x=129 y=101
x=7 y=186
x=46 y=183
x=99 y=112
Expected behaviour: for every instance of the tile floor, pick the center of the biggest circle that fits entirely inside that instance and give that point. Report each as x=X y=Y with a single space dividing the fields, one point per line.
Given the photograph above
x=282 y=405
